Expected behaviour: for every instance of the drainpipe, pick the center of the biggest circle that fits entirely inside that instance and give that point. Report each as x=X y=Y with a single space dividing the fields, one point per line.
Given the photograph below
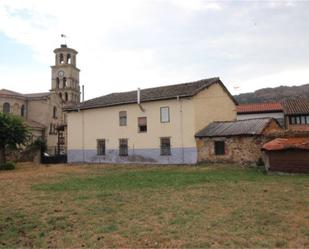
x=181 y=130
x=138 y=97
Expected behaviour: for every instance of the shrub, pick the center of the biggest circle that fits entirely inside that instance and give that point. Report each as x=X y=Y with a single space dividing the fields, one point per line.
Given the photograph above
x=7 y=166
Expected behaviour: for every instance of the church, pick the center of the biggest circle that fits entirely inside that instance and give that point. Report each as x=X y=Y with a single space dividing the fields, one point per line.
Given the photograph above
x=43 y=112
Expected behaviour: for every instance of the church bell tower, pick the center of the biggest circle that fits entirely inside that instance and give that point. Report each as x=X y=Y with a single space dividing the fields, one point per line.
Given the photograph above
x=65 y=76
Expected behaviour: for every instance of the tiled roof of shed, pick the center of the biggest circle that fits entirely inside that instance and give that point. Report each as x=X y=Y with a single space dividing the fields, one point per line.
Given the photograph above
x=259 y=108
x=287 y=143
x=235 y=128
x=151 y=94
x=296 y=106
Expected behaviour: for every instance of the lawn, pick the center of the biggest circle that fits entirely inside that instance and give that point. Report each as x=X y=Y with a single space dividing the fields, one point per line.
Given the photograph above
x=134 y=206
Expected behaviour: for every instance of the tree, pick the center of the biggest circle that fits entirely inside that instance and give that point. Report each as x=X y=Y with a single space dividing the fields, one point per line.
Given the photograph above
x=13 y=133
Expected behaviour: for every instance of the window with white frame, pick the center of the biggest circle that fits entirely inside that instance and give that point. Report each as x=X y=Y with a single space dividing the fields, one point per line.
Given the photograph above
x=165 y=114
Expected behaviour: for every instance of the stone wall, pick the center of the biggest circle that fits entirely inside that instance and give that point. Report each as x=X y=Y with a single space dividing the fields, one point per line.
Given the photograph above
x=244 y=150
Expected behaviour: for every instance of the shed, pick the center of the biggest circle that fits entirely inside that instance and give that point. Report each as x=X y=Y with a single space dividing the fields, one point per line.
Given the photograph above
x=235 y=141
x=289 y=155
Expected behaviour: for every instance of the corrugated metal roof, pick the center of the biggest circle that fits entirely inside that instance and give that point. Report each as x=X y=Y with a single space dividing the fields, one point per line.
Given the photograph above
x=296 y=106
x=259 y=108
x=235 y=128
x=287 y=143
x=151 y=94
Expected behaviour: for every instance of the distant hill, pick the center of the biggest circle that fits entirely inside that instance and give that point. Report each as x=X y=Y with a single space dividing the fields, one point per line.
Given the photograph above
x=274 y=94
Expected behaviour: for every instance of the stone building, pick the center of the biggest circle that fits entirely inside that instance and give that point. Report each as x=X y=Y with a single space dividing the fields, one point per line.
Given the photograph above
x=235 y=141
x=43 y=112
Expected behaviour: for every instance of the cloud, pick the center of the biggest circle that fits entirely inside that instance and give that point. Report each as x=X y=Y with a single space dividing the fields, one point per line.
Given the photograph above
x=126 y=44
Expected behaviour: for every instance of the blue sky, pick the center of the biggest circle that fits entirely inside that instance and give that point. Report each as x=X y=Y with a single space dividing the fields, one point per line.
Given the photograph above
x=144 y=43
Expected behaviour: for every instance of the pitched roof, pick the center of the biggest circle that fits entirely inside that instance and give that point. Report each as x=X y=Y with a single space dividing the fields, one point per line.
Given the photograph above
x=27 y=95
x=151 y=94
x=9 y=92
x=34 y=124
x=259 y=108
x=287 y=143
x=235 y=128
x=296 y=106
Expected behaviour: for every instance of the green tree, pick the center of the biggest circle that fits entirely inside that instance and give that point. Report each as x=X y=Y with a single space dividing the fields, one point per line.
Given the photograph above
x=13 y=133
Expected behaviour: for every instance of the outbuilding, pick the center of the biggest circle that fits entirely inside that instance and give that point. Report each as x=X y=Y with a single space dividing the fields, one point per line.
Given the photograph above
x=289 y=155
x=235 y=141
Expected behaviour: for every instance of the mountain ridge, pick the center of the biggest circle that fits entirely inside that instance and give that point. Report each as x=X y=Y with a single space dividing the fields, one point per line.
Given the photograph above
x=275 y=94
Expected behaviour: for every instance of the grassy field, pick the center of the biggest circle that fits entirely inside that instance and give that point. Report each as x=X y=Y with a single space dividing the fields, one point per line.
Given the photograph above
x=152 y=206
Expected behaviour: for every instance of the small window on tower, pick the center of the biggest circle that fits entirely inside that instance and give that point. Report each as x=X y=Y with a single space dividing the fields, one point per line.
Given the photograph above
x=64 y=82
x=68 y=58
x=57 y=83
x=55 y=112
x=66 y=97
x=61 y=59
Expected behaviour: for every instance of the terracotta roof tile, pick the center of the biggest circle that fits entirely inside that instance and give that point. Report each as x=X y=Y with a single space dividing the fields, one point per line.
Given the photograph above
x=259 y=108
x=287 y=143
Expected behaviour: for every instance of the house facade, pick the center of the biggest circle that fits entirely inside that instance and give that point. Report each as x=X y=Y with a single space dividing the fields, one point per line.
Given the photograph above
x=296 y=114
x=155 y=125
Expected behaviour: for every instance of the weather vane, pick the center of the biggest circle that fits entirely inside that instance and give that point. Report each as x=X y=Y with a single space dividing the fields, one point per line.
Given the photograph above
x=64 y=38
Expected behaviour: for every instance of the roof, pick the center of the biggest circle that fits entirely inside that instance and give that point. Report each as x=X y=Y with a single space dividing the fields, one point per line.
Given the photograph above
x=27 y=95
x=34 y=124
x=9 y=92
x=235 y=128
x=296 y=106
x=259 y=108
x=287 y=143
x=151 y=94
x=37 y=95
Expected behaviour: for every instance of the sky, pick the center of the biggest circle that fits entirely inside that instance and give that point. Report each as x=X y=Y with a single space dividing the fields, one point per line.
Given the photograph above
x=125 y=44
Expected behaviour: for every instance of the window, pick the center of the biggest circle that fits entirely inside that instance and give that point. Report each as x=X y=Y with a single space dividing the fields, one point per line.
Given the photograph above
x=6 y=107
x=68 y=58
x=165 y=146
x=22 y=111
x=219 y=147
x=65 y=82
x=123 y=118
x=57 y=83
x=61 y=60
x=142 y=124
x=101 y=147
x=123 y=147
x=165 y=114
x=66 y=96
x=55 y=112
x=300 y=119
x=60 y=95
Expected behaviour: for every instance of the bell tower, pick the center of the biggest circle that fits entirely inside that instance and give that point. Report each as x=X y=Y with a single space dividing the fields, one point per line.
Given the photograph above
x=65 y=75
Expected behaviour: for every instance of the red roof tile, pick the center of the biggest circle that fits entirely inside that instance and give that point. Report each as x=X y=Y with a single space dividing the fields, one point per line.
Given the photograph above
x=259 y=107
x=287 y=143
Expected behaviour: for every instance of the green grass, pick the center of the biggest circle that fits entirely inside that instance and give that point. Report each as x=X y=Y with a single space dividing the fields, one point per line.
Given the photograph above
x=159 y=178
x=152 y=206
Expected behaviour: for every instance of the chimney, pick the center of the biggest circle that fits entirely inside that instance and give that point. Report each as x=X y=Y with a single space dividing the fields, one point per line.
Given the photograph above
x=138 y=96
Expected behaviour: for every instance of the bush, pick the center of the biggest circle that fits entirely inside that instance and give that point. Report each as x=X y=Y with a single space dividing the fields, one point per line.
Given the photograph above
x=7 y=166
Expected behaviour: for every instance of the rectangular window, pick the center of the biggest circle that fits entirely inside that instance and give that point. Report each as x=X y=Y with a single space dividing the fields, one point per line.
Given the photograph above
x=142 y=124
x=123 y=118
x=101 y=147
x=303 y=119
x=307 y=119
x=292 y=120
x=219 y=147
x=165 y=146
x=123 y=147
x=165 y=114
x=297 y=119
